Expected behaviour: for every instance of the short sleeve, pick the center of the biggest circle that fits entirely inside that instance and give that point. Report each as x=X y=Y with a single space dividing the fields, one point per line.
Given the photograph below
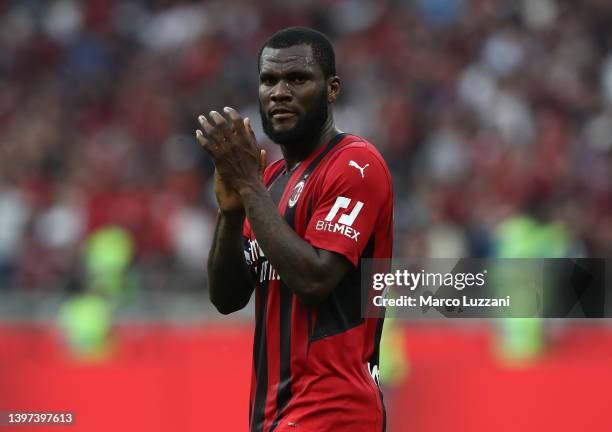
x=355 y=189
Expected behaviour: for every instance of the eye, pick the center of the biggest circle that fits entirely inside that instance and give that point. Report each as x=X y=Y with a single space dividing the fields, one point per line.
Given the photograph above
x=267 y=81
x=298 y=80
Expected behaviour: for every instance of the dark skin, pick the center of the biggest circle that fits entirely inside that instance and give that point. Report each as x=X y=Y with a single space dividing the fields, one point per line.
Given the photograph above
x=289 y=78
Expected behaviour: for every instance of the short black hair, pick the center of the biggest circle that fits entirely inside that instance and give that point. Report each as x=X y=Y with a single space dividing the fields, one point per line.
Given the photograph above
x=322 y=49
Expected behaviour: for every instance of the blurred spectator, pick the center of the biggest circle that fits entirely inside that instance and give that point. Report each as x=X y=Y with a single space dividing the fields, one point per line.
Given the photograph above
x=85 y=321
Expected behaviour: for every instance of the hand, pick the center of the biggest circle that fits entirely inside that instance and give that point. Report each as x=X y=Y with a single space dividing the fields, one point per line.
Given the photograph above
x=228 y=199
x=233 y=149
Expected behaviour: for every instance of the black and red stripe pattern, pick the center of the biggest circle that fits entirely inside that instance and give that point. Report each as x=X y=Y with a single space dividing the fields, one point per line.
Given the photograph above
x=311 y=361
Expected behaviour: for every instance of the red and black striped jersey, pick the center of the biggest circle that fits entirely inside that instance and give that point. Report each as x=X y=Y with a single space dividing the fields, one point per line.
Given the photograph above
x=315 y=368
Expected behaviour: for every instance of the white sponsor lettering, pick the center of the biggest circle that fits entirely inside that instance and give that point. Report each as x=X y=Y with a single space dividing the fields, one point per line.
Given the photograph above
x=256 y=259
x=342 y=203
x=337 y=228
x=349 y=219
x=345 y=221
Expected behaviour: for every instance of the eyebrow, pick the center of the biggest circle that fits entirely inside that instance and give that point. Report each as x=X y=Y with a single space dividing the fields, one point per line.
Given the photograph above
x=289 y=72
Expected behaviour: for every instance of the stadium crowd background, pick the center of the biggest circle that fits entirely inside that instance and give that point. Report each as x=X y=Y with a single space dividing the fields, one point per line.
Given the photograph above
x=494 y=116
x=485 y=110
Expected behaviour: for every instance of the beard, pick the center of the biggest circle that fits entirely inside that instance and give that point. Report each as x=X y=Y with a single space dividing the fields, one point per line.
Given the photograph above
x=307 y=128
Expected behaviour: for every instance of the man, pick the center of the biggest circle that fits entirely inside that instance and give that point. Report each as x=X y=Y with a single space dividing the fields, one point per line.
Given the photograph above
x=308 y=222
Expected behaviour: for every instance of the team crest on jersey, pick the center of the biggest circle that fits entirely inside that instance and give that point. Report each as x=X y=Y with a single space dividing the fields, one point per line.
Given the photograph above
x=295 y=195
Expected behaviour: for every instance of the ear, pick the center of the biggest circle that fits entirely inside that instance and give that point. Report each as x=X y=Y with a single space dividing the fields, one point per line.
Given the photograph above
x=333 y=88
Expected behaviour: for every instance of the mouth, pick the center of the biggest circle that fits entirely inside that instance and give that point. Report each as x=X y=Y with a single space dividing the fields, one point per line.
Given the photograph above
x=281 y=113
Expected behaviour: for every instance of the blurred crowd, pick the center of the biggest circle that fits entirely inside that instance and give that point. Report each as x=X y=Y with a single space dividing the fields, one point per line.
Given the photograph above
x=486 y=110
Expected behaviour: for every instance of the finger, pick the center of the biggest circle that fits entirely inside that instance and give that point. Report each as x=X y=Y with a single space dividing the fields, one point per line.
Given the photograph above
x=209 y=130
x=201 y=138
x=236 y=120
x=247 y=125
x=262 y=160
x=205 y=143
x=220 y=123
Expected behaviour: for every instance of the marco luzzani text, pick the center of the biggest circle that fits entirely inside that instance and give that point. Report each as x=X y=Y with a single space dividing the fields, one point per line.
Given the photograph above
x=405 y=279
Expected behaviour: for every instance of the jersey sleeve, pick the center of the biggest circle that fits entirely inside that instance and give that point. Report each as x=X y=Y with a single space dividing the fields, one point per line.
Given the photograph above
x=355 y=189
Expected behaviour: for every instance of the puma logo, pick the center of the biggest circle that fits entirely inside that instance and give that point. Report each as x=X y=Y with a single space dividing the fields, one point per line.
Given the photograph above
x=354 y=164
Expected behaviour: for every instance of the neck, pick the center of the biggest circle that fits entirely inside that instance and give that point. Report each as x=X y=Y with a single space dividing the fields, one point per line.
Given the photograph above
x=298 y=151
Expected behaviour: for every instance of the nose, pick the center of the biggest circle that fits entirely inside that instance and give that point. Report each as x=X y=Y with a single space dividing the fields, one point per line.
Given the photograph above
x=281 y=92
